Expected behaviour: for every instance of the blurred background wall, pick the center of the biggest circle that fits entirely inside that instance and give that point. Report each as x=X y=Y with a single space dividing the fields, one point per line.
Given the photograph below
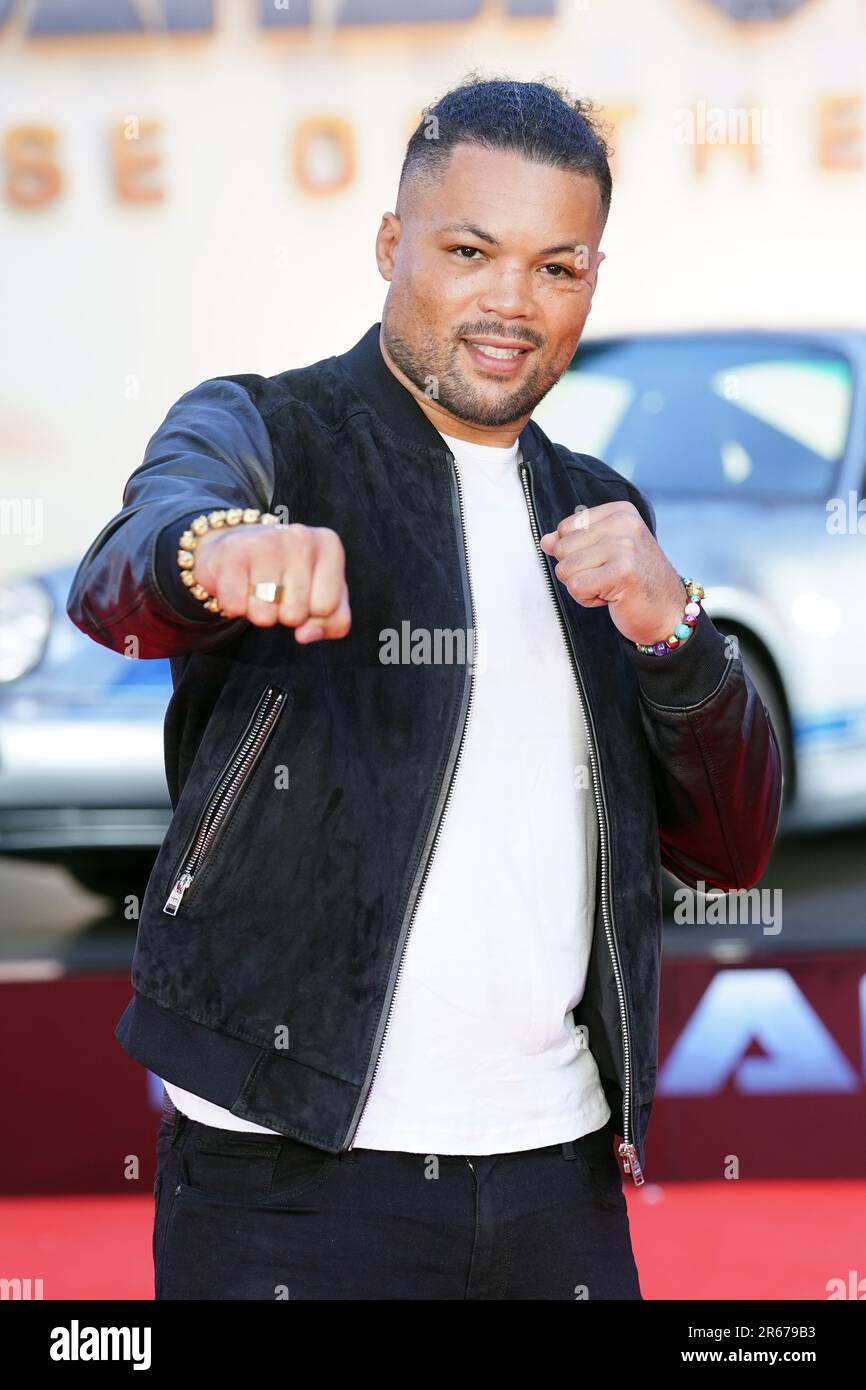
x=193 y=187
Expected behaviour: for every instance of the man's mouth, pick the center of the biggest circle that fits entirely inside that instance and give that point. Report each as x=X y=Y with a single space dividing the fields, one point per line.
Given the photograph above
x=494 y=355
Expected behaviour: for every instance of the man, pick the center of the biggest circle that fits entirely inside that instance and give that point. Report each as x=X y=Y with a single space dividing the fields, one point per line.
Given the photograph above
x=398 y=959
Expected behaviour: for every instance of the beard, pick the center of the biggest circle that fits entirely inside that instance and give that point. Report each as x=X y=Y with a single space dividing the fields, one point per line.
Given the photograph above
x=435 y=370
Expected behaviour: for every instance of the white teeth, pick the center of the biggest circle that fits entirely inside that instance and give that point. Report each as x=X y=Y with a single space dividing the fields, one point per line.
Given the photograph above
x=496 y=351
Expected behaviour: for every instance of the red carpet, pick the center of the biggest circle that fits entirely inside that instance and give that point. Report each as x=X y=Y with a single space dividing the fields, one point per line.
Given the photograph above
x=751 y=1240
x=728 y=1240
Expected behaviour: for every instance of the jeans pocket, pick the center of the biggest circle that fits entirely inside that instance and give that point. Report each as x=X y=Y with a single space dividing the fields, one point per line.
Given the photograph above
x=301 y=1170
x=223 y=1166
x=163 y=1206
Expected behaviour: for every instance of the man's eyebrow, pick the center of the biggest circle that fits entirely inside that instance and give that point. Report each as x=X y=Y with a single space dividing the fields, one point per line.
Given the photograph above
x=472 y=230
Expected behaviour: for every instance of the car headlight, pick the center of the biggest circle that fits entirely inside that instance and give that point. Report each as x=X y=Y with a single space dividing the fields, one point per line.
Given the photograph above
x=25 y=622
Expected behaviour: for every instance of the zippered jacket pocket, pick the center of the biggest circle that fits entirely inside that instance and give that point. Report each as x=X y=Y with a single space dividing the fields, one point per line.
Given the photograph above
x=225 y=794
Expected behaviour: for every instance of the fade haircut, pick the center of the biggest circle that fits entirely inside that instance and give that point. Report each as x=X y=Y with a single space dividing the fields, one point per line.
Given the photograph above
x=542 y=121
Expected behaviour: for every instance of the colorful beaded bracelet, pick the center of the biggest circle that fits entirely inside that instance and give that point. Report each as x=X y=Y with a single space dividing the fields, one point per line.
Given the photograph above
x=683 y=630
x=214 y=521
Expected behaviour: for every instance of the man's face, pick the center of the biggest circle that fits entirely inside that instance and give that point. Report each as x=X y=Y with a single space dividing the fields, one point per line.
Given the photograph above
x=501 y=249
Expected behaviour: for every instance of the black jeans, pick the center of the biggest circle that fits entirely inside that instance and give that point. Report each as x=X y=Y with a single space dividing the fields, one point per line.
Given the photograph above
x=255 y=1216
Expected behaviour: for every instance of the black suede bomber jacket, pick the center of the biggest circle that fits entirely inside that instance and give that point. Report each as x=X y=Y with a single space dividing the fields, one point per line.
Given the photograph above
x=308 y=782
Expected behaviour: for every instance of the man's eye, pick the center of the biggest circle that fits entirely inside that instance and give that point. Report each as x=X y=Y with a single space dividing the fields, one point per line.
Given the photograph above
x=563 y=270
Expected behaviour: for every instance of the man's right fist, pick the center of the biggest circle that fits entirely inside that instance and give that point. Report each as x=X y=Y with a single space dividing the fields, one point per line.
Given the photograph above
x=309 y=562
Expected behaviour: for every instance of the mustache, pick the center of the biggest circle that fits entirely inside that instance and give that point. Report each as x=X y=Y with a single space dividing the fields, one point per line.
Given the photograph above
x=486 y=330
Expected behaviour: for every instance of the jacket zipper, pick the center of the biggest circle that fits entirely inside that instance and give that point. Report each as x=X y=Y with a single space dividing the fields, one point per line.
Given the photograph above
x=226 y=792
x=627 y=1150
x=445 y=804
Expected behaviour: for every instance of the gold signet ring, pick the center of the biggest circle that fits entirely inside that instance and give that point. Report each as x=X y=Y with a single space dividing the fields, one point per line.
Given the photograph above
x=267 y=590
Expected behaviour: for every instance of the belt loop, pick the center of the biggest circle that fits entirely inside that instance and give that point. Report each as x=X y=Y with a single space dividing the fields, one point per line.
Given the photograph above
x=568 y=1149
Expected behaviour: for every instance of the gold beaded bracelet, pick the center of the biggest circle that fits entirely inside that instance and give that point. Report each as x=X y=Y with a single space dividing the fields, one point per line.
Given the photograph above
x=213 y=521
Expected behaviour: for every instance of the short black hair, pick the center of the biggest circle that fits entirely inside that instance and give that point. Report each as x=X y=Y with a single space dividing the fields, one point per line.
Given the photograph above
x=541 y=120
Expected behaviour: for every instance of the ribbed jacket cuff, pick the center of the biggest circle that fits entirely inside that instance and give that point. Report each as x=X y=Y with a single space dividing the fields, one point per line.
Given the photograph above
x=689 y=674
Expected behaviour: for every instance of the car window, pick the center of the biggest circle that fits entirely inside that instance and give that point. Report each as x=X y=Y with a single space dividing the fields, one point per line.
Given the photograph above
x=721 y=417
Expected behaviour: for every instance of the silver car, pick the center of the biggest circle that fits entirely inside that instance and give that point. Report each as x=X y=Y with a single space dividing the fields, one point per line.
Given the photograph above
x=751 y=447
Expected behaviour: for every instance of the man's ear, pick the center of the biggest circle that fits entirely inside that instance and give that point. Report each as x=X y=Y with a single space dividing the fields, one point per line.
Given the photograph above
x=387 y=240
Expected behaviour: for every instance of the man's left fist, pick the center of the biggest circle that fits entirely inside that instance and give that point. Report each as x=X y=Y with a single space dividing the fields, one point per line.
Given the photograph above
x=608 y=555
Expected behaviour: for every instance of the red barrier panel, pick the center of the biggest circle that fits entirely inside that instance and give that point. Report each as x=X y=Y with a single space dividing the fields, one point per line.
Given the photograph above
x=761 y=1063
x=761 y=1071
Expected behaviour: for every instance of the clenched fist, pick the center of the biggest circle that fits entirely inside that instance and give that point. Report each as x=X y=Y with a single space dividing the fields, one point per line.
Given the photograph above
x=308 y=561
x=608 y=555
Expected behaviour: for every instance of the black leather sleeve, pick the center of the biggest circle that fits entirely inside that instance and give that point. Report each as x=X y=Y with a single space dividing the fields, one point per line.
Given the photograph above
x=717 y=769
x=211 y=451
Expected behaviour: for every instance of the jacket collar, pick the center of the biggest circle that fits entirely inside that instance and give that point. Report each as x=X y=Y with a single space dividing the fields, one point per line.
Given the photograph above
x=389 y=398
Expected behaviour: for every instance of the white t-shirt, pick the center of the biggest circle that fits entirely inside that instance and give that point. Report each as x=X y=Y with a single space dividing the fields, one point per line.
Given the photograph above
x=481 y=1054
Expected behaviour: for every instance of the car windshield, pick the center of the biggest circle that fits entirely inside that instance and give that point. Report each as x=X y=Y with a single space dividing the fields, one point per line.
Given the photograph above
x=720 y=417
